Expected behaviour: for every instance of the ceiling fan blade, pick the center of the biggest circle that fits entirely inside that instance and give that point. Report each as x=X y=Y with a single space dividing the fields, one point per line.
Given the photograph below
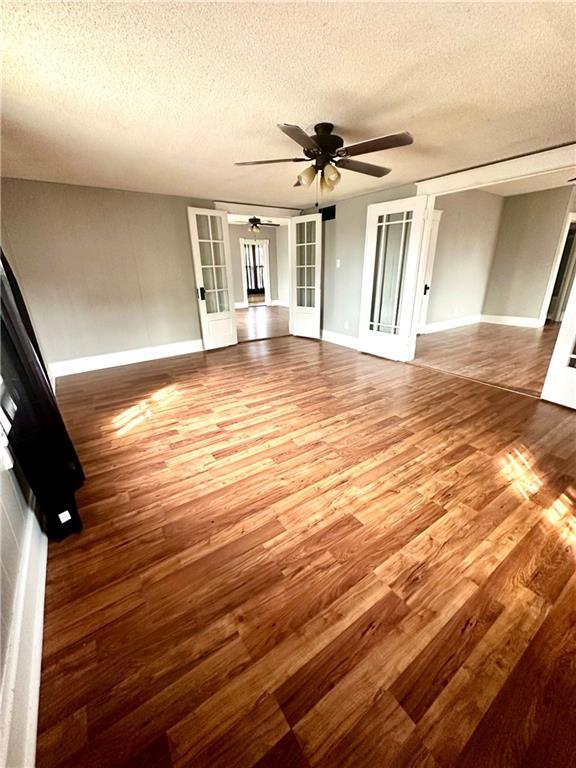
x=359 y=167
x=298 y=135
x=283 y=160
x=269 y=225
x=376 y=145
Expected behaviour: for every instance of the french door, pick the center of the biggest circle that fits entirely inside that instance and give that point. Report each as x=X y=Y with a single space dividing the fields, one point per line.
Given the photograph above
x=213 y=272
x=392 y=263
x=306 y=274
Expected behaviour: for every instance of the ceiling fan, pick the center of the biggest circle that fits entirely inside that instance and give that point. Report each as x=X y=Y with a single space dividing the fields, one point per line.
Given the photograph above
x=328 y=154
x=256 y=223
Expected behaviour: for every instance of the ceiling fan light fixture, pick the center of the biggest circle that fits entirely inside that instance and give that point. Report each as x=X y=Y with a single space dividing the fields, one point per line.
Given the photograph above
x=254 y=224
x=331 y=175
x=307 y=176
x=325 y=185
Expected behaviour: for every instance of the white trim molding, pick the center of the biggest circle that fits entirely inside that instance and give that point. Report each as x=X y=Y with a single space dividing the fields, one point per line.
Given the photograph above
x=447 y=325
x=569 y=218
x=280 y=303
x=127 y=357
x=241 y=305
x=506 y=170
x=263 y=211
x=460 y=322
x=520 y=322
x=341 y=339
x=20 y=688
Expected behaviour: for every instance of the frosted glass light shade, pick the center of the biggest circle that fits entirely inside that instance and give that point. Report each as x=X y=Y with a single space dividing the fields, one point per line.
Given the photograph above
x=307 y=176
x=331 y=175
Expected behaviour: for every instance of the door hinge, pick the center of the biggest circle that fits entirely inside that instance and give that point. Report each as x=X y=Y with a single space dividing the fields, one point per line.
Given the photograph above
x=202 y=293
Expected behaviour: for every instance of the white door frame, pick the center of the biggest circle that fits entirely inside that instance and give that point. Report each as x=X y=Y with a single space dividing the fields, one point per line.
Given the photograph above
x=266 y=246
x=569 y=275
x=305 y=321
x=218 y=328
x=560 y=383
x=428 y=257
x=568 y=219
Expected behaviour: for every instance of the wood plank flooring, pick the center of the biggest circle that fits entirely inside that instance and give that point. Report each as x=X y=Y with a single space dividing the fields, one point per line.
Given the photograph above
x=261 y=322
x=516 y=358
x=297 y=556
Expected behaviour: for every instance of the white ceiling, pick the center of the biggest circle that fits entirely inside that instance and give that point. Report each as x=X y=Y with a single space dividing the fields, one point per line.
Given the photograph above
x=164 y=97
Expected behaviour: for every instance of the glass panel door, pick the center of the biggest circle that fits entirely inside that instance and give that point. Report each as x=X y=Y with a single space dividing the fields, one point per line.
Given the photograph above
x=394 y=236
x=306 y=289
x=214 y=278
x=213 y=272
x=306 y=264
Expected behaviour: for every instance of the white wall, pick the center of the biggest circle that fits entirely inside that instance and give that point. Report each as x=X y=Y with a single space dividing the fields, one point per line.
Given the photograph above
x=530 y=228
x=466 y=238
x=102 y=270
x=240 y=230
x=22 y=580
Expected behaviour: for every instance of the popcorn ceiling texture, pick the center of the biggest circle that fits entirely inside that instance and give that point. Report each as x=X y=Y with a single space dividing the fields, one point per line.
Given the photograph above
x=164 y=97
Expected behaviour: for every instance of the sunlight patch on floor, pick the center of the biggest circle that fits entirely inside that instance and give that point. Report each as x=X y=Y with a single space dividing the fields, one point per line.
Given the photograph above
x=516 y=468
x=136 y=414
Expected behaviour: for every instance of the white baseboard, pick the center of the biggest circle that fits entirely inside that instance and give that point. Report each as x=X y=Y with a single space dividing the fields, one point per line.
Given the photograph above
x=280 y=303
x=522 y=322
x=341 y=339
x=459 y=322
x=113 y=359
x=241 y=305
x=20 y=692
x=447 y=325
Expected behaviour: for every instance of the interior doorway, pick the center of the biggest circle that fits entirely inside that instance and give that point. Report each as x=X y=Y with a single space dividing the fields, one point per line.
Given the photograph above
x=255 y=255
x=565 y=275
x=499 y=285
x=260 y=265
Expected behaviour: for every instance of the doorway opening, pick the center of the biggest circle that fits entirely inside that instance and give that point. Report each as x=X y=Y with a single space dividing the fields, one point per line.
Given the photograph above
x=565 y=276
x=255 y=263
x=260 y=266
x=499 y=283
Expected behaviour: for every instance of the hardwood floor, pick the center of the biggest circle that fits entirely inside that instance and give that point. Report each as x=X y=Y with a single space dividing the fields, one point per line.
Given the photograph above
x=512 y=357
x=299 y=556
x=261 y=322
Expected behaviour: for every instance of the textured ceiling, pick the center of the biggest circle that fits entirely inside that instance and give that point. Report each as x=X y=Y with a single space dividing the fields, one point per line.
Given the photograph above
x=164 y=97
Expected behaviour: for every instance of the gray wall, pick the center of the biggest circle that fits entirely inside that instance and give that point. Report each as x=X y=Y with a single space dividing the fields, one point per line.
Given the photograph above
x=530 y=229
x=464 y=250
x=102 y=270
x=344 y=239
x=269 y=233
x=283 y=263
